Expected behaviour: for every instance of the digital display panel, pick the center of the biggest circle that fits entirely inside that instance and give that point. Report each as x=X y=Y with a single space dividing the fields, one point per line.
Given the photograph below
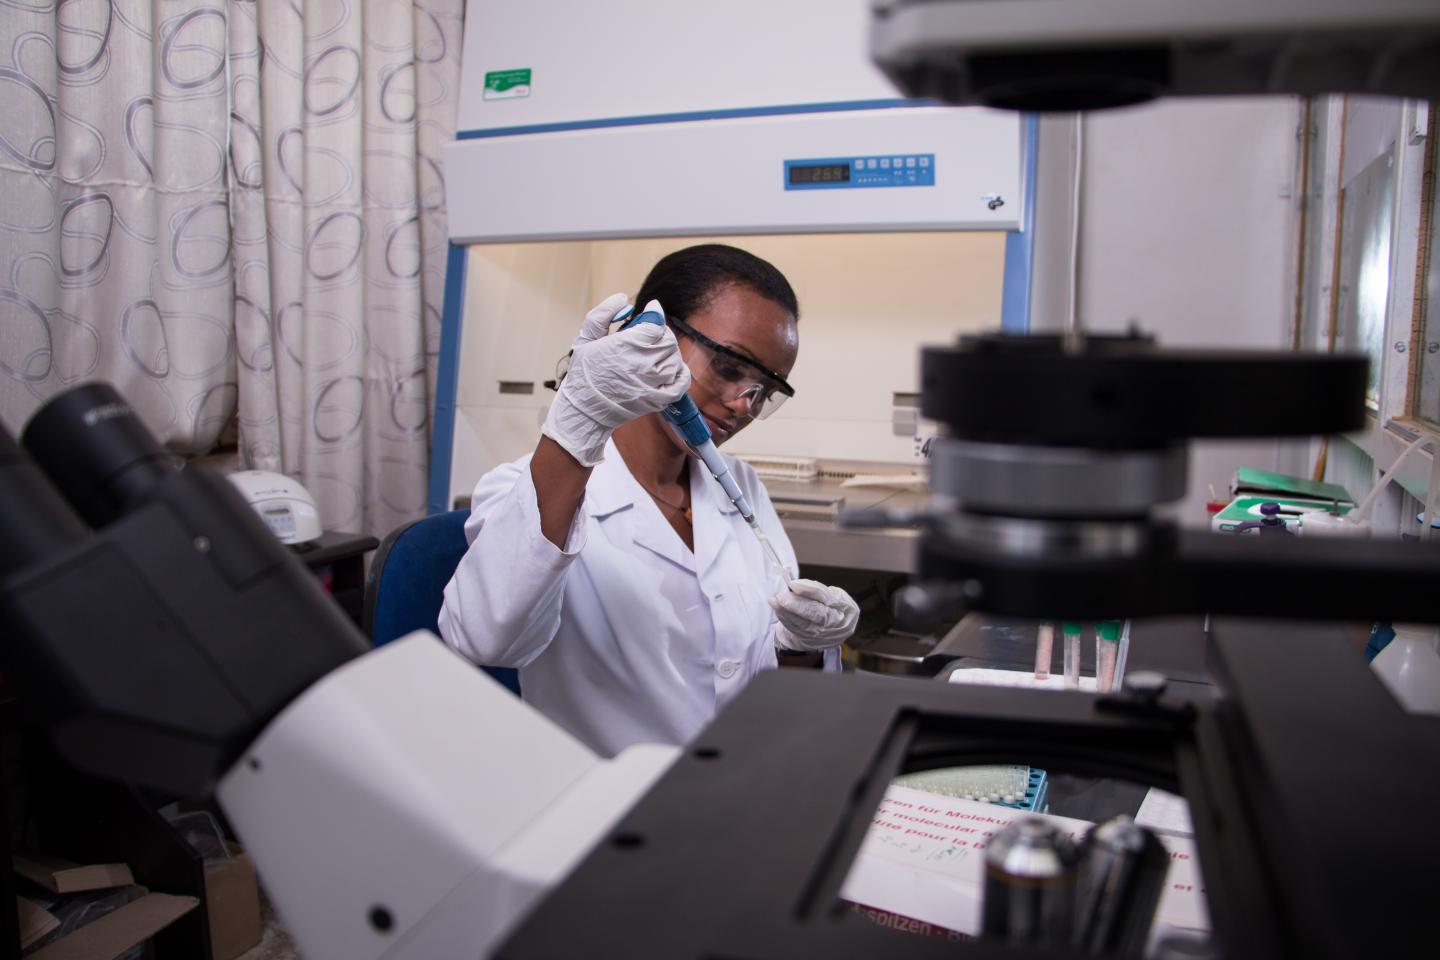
x=823 y=173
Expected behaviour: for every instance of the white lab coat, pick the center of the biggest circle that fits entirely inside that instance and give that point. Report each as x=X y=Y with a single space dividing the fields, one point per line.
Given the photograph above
x=624 y=636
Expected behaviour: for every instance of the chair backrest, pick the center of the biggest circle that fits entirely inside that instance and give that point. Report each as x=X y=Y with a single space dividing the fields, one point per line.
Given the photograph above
x=406 y=583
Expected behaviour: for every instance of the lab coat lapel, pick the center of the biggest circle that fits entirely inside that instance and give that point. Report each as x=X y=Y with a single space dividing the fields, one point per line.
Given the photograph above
x=652 y=531
x=713 y=511
x=612 y=487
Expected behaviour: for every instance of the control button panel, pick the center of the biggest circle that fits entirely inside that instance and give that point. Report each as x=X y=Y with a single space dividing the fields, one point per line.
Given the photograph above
x=887 y=170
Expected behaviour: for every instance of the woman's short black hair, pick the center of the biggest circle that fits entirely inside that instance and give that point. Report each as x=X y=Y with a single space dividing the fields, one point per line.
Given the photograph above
x=686 y=280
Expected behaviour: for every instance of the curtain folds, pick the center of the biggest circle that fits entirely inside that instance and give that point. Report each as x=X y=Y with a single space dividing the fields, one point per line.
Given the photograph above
x=336 y=123
x=234 y=205
x=114 y=231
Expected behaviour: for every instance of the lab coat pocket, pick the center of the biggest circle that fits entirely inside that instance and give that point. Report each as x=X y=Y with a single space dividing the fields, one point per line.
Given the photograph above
x=754 y=603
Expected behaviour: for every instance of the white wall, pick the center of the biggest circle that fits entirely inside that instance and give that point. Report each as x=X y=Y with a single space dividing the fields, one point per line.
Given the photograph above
x=1187 y=230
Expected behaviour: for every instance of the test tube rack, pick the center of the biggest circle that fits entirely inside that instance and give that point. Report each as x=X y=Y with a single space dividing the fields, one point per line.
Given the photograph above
x=1017 y=787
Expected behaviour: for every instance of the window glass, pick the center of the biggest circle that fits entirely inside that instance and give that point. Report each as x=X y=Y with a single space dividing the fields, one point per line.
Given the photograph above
x=1369 y=201
x=1427 y=399
x=1314 y=333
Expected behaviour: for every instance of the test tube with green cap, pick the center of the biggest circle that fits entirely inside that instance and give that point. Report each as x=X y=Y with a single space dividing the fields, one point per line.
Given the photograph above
x=1107 y=647
x=1072 y=630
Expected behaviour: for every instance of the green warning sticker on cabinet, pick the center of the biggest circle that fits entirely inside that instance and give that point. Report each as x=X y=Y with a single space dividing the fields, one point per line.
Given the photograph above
x=507 y=84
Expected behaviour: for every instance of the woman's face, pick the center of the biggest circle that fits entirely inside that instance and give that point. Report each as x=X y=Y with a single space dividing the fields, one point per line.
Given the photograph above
x=752 y=326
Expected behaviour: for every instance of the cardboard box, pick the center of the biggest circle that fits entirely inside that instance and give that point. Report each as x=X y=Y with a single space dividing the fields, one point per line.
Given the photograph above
x=62 y=876
x=120 y=930
x=35 y=921
x=232 y=898
x=231 y=892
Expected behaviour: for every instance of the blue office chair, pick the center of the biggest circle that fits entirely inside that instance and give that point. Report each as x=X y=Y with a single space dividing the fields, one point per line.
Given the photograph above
x=406 y=583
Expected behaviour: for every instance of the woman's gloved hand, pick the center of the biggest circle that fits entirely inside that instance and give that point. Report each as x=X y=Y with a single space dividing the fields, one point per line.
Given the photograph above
x=813 y=616
x=613 y=379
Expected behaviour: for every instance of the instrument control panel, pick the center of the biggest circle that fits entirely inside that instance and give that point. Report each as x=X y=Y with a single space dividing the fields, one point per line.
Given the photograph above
x=880 y=170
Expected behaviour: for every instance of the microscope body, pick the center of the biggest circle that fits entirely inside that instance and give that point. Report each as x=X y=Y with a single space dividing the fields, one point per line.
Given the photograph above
x=407 y=805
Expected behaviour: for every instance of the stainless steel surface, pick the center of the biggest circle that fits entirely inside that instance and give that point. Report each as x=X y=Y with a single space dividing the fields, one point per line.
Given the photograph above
x=881 y=519
x=1034 y=849
x=818 y=540
x=1056 y=481
x=1030 y=873
x=1080 y=539
x=1122 y=871
x=1120 y=835
x=823 y=505
x=897 y=655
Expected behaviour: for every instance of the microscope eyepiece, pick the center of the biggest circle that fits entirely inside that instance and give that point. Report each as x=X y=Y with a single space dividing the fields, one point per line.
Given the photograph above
x=35 y=521
x=96 y=451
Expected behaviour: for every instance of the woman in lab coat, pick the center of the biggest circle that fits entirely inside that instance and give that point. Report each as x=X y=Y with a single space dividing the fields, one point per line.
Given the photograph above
x=608 y=565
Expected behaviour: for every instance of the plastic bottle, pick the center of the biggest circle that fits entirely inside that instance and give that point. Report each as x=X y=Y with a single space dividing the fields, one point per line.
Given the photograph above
x=1410 y=667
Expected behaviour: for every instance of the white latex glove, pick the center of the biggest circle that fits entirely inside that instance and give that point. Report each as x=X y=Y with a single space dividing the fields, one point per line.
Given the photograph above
x=813 y=616
x=613 y=379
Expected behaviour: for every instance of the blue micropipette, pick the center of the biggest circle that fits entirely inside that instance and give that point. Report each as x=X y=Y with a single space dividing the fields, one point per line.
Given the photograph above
x=685 y=417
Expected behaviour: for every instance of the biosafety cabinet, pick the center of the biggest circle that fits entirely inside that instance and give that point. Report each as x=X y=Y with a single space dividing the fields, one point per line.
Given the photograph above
x=593 y=138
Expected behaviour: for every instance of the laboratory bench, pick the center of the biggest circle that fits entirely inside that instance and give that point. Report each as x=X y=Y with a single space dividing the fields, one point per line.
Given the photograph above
x=1173 y=646
x=809 y=511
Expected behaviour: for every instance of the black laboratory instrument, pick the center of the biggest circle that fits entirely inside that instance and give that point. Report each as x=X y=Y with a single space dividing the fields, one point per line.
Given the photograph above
x=162 y=620
x=1090 y=54
x=1058 y=453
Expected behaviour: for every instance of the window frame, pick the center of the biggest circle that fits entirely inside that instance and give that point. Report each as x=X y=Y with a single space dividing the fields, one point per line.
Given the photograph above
x=1394 y=424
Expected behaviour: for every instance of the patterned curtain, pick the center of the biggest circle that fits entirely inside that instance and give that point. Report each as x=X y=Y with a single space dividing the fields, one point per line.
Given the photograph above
x=220 y=206
x=338 y=203
x=114 y=224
